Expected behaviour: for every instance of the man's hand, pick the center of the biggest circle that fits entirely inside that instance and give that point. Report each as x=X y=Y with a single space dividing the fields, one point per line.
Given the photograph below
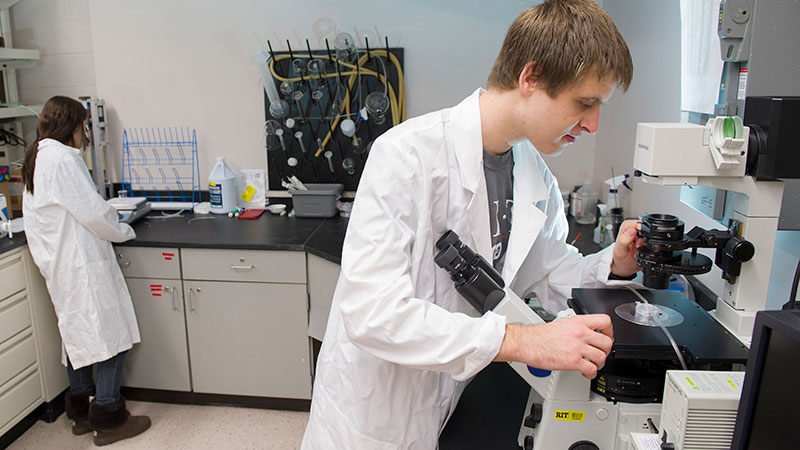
x=624 y=262
x=567 y=344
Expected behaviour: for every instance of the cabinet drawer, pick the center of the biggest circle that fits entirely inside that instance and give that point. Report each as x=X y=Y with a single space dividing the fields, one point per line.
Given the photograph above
x=19 y=394
x=16 y=354
x=149 y=262
x=12 y=274
x=272 y=266
x=15 y=315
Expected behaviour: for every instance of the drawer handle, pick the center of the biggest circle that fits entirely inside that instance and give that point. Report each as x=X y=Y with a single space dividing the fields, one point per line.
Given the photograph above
x=242 y=267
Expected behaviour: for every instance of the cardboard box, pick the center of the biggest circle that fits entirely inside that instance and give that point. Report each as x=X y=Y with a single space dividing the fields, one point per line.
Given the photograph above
x=15 y=189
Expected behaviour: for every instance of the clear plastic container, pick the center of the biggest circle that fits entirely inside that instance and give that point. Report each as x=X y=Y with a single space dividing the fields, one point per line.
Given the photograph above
x=222 y=188
x=586 y=204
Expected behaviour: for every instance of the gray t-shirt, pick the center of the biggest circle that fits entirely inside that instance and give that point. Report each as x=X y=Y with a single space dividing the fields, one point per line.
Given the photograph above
x=499 y=171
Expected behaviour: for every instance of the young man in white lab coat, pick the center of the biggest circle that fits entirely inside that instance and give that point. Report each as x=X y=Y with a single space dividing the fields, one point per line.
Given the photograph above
x=400 y=340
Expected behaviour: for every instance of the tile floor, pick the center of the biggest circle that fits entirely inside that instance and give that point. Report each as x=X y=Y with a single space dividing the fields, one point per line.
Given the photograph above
x=183 y=427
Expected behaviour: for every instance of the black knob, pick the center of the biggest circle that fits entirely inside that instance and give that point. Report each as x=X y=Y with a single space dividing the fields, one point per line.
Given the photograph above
x=584 y=445
x=528 y=443
x=740 y=249
x=535 y=417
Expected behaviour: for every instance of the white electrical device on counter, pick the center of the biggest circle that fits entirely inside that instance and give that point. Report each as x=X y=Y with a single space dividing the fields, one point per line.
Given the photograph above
x=130 y=209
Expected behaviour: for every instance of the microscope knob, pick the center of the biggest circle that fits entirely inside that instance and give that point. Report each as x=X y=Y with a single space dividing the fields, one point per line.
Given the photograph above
x=740 y=249
x=528 y=443
x=535 y=417
x=584 y=445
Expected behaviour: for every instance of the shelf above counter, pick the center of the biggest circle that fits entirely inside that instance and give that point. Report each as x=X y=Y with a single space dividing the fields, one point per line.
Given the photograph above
x=11 y=112
x=17 y=58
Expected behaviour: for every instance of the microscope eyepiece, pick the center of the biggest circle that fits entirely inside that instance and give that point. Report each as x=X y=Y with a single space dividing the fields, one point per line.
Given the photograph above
x=449 y=260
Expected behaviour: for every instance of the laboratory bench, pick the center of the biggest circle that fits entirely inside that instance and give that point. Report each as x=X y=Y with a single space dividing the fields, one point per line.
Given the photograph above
x=227 y=308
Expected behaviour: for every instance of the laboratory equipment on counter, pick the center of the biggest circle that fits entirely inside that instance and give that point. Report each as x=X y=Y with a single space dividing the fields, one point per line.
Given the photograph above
x=724 y=154
x=711 y=410
x=222 y=187
x=130 y=209
x=699 y=409
x=586 y=203
x=162 y=165
x=664 y=240
x=317 y=200
x=95 y=149
x=565 y=409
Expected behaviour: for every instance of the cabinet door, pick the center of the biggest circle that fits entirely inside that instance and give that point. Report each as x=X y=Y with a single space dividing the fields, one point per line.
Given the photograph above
x=248 y=338
x=161 y=360
x=322 y=278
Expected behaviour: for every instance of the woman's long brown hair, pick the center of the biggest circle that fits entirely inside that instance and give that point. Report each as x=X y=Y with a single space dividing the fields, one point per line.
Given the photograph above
x=59 y=119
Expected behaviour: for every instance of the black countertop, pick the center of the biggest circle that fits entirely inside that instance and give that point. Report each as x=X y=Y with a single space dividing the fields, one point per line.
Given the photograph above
x=322 y=237
x=17 y=241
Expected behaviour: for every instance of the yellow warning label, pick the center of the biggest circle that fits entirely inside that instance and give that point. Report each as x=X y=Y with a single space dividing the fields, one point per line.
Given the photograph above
x=571 y=416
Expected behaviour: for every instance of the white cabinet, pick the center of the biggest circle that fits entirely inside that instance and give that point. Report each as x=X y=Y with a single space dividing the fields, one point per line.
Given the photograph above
x=20 y=380
x=247 y=316
x=248 y=338
x=46 y=333
x=219 y=321
x=161 y=359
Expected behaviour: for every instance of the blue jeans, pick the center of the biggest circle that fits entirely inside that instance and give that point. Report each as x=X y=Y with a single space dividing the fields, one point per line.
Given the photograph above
x=109 y=378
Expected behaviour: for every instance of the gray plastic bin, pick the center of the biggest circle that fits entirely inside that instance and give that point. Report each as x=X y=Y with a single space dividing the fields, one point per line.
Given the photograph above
x=318 y=201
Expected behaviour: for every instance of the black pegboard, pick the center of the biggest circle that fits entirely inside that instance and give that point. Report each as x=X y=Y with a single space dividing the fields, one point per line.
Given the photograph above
x=314 y=117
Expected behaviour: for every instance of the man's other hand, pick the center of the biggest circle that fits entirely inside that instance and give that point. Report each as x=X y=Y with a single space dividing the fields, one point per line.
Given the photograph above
x=628 y=243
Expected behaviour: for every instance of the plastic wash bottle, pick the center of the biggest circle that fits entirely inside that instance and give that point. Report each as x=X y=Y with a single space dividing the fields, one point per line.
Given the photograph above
x=222 y=188
x=586 y=209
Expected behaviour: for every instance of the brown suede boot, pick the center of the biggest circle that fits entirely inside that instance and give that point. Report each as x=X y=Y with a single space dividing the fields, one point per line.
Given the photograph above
x=77 y=408
x=112 y=423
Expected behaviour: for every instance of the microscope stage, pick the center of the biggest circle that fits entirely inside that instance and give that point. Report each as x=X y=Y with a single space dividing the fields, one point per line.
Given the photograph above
x=701 y=339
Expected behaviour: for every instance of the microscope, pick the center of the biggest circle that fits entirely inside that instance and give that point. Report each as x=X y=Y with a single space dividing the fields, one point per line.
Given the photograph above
x=566 y=410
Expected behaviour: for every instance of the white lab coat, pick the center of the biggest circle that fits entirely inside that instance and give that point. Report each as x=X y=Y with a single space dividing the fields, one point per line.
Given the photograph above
x=69 y=229
x=400 y=340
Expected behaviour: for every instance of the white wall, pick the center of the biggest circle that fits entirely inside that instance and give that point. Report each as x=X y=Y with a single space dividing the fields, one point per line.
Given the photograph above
x=61 y=31
x=189 y=63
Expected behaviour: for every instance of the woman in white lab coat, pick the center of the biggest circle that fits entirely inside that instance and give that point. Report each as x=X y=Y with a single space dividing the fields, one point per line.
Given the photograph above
x=69 y=228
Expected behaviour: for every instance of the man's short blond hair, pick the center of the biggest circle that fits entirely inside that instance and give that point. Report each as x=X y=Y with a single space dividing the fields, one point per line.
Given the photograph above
x=565 y=40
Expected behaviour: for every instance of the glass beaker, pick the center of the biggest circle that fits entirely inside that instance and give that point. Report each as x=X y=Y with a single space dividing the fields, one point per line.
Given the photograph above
x=345 y=46
x=377 y=104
